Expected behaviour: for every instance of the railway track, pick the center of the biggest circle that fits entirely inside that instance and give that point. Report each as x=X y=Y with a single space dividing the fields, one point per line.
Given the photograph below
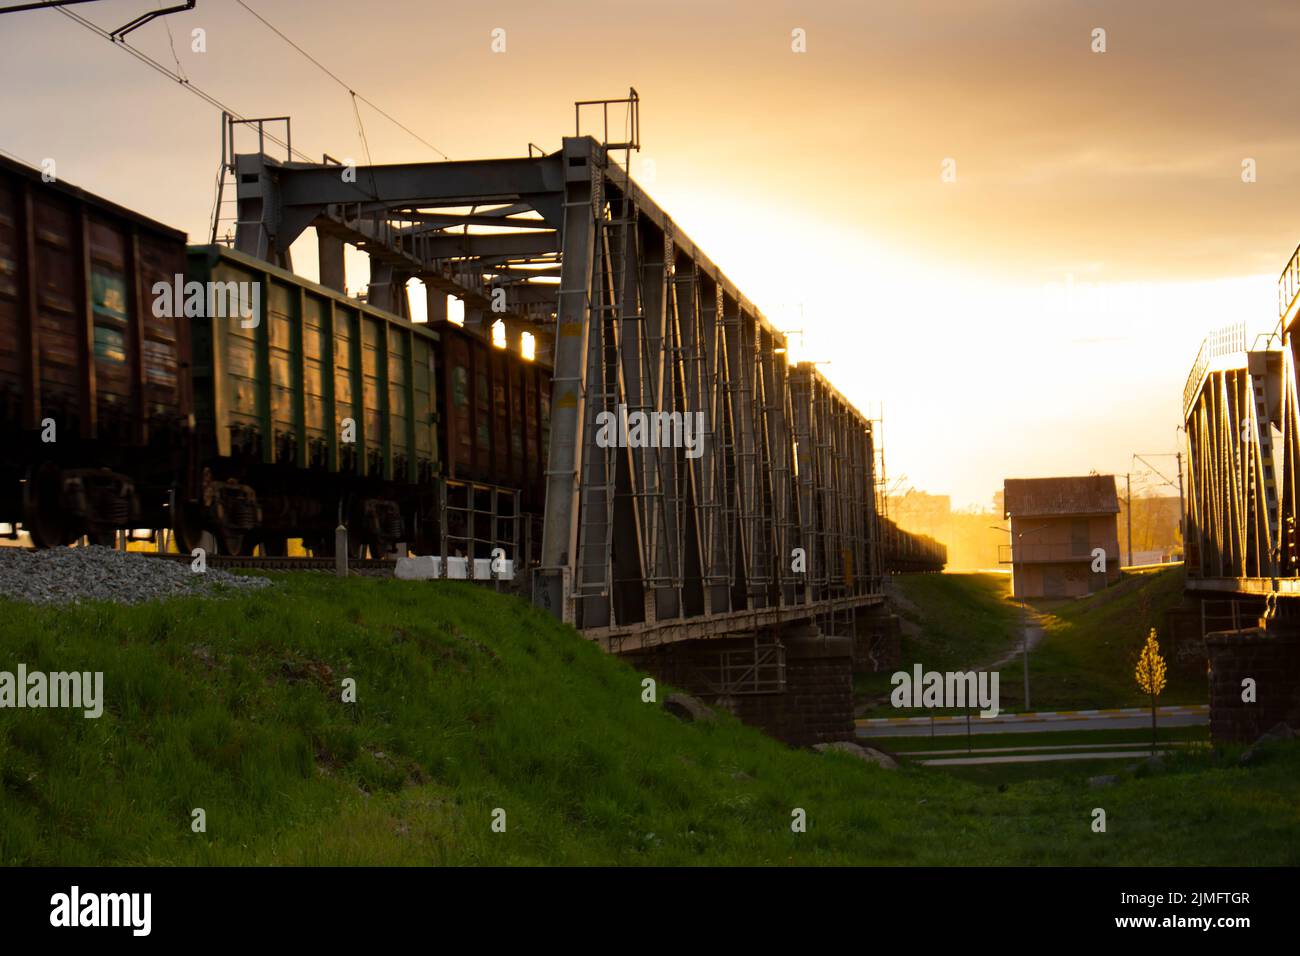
x=227 y=562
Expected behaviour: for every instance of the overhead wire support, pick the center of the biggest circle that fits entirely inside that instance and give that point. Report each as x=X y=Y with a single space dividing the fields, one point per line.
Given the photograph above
x=121 y=31
x=148 y=17
x=165 y=71
x=339 y=80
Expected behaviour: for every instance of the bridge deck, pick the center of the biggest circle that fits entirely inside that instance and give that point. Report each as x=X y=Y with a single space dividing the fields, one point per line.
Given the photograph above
x=635 y=637
x=1285 y=587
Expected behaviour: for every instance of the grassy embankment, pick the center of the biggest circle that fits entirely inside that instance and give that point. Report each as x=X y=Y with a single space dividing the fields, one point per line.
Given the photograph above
x=468 y=701
x=951 y=622
x=1091 y=646
x=1085 y=659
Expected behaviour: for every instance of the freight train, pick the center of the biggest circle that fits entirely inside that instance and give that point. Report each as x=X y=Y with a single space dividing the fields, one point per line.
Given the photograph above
x=145 y=384
x=903 y=552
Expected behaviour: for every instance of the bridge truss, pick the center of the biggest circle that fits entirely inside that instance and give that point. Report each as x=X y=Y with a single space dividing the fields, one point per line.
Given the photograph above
x=1242 y=423
x=767 y=517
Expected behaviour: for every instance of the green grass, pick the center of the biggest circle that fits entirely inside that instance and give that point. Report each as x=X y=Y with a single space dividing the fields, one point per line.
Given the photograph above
x=1085 y=659
x=1068 y=772
x=1072 y=774
x=469 y=701
x=961 y=621
x=1090 y=646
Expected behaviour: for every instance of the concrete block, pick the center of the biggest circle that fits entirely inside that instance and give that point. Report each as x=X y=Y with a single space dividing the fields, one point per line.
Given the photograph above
x=421 y=568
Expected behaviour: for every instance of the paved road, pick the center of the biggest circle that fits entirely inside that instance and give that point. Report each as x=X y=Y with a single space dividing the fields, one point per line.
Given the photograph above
x=1129 y=718
x=976 y=760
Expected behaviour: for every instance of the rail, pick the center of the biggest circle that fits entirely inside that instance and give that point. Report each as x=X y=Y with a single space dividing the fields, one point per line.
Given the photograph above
x=226 y=562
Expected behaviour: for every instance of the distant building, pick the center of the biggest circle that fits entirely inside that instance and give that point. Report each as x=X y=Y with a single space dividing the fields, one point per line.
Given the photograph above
x=922 y=513
x=1057 y=525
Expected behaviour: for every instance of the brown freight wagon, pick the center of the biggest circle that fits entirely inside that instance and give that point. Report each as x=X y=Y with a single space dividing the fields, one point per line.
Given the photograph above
x=495 y=415
x=95 y=401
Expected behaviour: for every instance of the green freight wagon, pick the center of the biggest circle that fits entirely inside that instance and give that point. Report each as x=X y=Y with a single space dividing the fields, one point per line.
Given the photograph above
x=313 y=409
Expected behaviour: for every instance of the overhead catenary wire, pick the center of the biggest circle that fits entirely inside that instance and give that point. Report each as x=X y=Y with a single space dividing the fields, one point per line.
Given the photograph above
x=176 y=77
x=365 y=144
x=171 y=40
x=184 y=82
x=339 y=80
x=21 y=159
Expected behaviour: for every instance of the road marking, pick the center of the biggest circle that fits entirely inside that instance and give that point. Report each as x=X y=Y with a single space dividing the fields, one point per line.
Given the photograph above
x=1044 y=715
x=1031 y=758
x=1007 y=750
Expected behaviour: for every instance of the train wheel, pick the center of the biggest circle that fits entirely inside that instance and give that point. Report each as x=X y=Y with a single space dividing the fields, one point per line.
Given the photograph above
x=105 y=539
x=187 y=527
x=43 y=517
x=234 y=544
x=275 y=546
x=323 y=547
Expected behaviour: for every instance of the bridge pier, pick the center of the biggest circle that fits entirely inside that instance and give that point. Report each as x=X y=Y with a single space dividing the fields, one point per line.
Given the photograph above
x=796 y=685
x=877 y=640
x=1268 y=655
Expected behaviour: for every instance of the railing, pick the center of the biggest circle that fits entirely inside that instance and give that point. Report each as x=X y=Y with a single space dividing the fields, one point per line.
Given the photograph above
x=632 y=120
x=1288 y=285
x=229 y=124
x=1230 y=338
x=1044 y=551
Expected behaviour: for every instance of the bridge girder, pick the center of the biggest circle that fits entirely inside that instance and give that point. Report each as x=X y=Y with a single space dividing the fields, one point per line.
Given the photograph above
x=1235 y=423
x=635 y=536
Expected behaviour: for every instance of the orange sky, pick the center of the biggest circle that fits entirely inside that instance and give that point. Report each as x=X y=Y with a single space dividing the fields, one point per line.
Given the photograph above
x=1036 y=316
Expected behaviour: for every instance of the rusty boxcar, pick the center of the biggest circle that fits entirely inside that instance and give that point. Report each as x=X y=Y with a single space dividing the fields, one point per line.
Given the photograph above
x=94 y=390
x=146 y=385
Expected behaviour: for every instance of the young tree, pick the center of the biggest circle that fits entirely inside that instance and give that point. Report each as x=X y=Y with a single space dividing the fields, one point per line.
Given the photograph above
x=1151 y=677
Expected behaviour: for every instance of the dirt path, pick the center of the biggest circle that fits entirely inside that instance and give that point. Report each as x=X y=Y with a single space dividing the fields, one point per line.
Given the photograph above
x=1034 y=636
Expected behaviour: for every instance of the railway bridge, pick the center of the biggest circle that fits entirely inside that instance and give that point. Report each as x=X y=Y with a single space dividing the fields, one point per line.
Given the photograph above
x=1242 y=424
x=743 y=557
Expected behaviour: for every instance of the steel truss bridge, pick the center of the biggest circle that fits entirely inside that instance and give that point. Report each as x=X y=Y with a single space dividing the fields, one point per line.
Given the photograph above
x=1242 y=422
x=640 y=545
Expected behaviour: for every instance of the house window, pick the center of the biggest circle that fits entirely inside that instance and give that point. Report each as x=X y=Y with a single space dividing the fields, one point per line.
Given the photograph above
x=1079 y=537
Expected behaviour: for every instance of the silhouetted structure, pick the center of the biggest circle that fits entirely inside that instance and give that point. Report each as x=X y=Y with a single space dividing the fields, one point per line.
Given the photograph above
x=1057 y=527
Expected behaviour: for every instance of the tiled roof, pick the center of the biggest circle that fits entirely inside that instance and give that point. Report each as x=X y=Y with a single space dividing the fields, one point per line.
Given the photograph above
x=1083 y=495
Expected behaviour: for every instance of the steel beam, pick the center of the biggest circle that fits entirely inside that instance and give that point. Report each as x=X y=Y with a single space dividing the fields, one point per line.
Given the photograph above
x=638 y=541
x=569 y=382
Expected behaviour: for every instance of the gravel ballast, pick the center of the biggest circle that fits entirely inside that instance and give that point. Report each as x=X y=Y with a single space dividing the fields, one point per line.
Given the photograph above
x=74 y=575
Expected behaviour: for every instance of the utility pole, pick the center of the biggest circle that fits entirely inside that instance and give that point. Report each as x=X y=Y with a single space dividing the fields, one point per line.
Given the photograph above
x=1177 y=456
x=1128 y=496
x=1017 y=549
x=1024 y=646
x=1182 y=515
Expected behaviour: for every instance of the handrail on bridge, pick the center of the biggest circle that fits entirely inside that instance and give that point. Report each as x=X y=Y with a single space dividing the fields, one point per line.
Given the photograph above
x=632 y=120
x=1288 y=285
x=1223 y=341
